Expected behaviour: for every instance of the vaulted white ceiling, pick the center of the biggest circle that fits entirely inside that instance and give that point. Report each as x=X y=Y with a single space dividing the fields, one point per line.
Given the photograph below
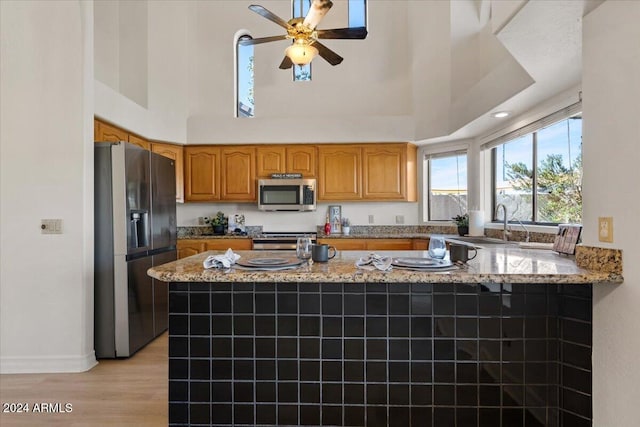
x=428 y=71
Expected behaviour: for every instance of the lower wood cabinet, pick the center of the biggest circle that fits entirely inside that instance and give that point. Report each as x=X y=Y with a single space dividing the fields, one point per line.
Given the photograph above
x=224 y=244
x=420 y=244
x=188 y=247
x=346 y=244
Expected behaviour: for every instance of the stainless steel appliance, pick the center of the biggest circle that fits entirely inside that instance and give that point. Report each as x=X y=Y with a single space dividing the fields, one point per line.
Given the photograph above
x=297 y=194
x=135 y=229
x=277 y=241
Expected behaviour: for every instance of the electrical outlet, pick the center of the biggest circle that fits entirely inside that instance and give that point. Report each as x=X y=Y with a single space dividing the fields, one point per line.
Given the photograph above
x=370 y=219
x=605 y=229
x=399 y=219
x=51 y=226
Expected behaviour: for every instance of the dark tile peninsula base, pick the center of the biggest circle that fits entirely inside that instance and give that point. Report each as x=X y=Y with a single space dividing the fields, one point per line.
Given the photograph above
x=379 y=354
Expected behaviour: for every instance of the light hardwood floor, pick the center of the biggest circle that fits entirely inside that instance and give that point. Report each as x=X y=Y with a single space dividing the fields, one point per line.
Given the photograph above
x=124 y=392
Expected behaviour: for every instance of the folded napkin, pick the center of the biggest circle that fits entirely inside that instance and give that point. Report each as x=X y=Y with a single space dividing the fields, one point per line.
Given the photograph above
x=375 y=261
x=219 y=261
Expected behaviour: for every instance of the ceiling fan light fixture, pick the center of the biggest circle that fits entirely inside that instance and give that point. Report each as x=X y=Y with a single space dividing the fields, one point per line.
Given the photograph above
x=301 y=53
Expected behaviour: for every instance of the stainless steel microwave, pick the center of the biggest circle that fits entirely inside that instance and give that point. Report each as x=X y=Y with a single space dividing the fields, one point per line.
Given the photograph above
x=298 y=194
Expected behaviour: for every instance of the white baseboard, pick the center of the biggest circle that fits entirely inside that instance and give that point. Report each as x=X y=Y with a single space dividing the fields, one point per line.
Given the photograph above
x=47 y=364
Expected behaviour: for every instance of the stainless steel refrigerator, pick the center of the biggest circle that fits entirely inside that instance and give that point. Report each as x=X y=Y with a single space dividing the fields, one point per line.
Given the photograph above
x=135 y=229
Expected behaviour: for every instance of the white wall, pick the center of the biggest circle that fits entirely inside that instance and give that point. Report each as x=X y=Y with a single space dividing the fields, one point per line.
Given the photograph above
x=358 y=213
x=141 y=67
x=46 y=152
x=611 y=155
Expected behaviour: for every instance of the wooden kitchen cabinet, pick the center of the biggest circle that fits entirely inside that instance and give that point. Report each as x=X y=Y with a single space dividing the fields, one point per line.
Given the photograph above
x=369 y=172
x=188 y=247
x=389 y=244
x=238 y=169
x=219 y=174
x=302 y=159
x=175 y=153
x=347 y=244
x=104 y=132
x=224 y=244
x=201 y=173
x=420 y=244
x=286 y=159
x=270 y=159
x=389 y=172
x=339 y=172
x=140 y=142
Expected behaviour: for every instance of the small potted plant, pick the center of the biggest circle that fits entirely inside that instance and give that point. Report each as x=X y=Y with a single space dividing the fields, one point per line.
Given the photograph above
x=218 y=223
x=462 y=221
x=346 y=226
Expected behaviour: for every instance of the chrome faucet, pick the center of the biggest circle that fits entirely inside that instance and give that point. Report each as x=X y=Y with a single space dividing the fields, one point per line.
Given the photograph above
x=527 y=236
x=505 y=231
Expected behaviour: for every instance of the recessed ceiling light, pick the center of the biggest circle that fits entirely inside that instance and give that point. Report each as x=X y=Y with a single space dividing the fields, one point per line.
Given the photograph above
x=500 y=114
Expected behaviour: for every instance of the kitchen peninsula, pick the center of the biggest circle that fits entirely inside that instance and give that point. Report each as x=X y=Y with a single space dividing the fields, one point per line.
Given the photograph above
x=504 y=341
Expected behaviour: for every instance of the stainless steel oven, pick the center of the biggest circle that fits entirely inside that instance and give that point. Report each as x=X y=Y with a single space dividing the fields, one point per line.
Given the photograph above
x=279 y=241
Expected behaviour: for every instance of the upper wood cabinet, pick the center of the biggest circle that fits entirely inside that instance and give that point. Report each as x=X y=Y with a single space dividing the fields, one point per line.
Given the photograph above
x=201 y=173
x=367 y=172
x=140 y=142
x=103 y=132
x=339 y=172
x=286 y=158
x=389 y=172
x=270 y=159
x=215 y=173
x=174 y=152
x=302 y=159
x=238 y=173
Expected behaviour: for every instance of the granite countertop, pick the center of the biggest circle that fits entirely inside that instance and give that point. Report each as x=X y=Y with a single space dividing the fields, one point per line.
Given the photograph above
x=500 y=265
x=380 y=235
x=214 y=236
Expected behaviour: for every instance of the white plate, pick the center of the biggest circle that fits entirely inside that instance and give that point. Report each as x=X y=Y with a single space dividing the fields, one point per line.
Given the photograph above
x=421 y=263
x=268 y=261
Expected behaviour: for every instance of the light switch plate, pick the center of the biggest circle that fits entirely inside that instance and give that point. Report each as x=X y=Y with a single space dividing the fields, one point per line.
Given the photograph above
x=605 y=229
x=51 y=226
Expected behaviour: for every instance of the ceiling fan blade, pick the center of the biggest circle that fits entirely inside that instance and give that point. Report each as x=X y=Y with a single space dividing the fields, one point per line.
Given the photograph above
x=330 y=56
x=343 y=33
x=286 y=63
x=260 y=40
x=318 y=9
x=269 y=15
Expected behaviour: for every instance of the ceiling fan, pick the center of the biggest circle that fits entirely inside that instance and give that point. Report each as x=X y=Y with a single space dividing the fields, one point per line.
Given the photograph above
x=305 y=36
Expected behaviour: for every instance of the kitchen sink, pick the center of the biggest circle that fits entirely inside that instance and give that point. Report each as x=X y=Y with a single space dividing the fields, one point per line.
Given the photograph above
x=480 y=241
